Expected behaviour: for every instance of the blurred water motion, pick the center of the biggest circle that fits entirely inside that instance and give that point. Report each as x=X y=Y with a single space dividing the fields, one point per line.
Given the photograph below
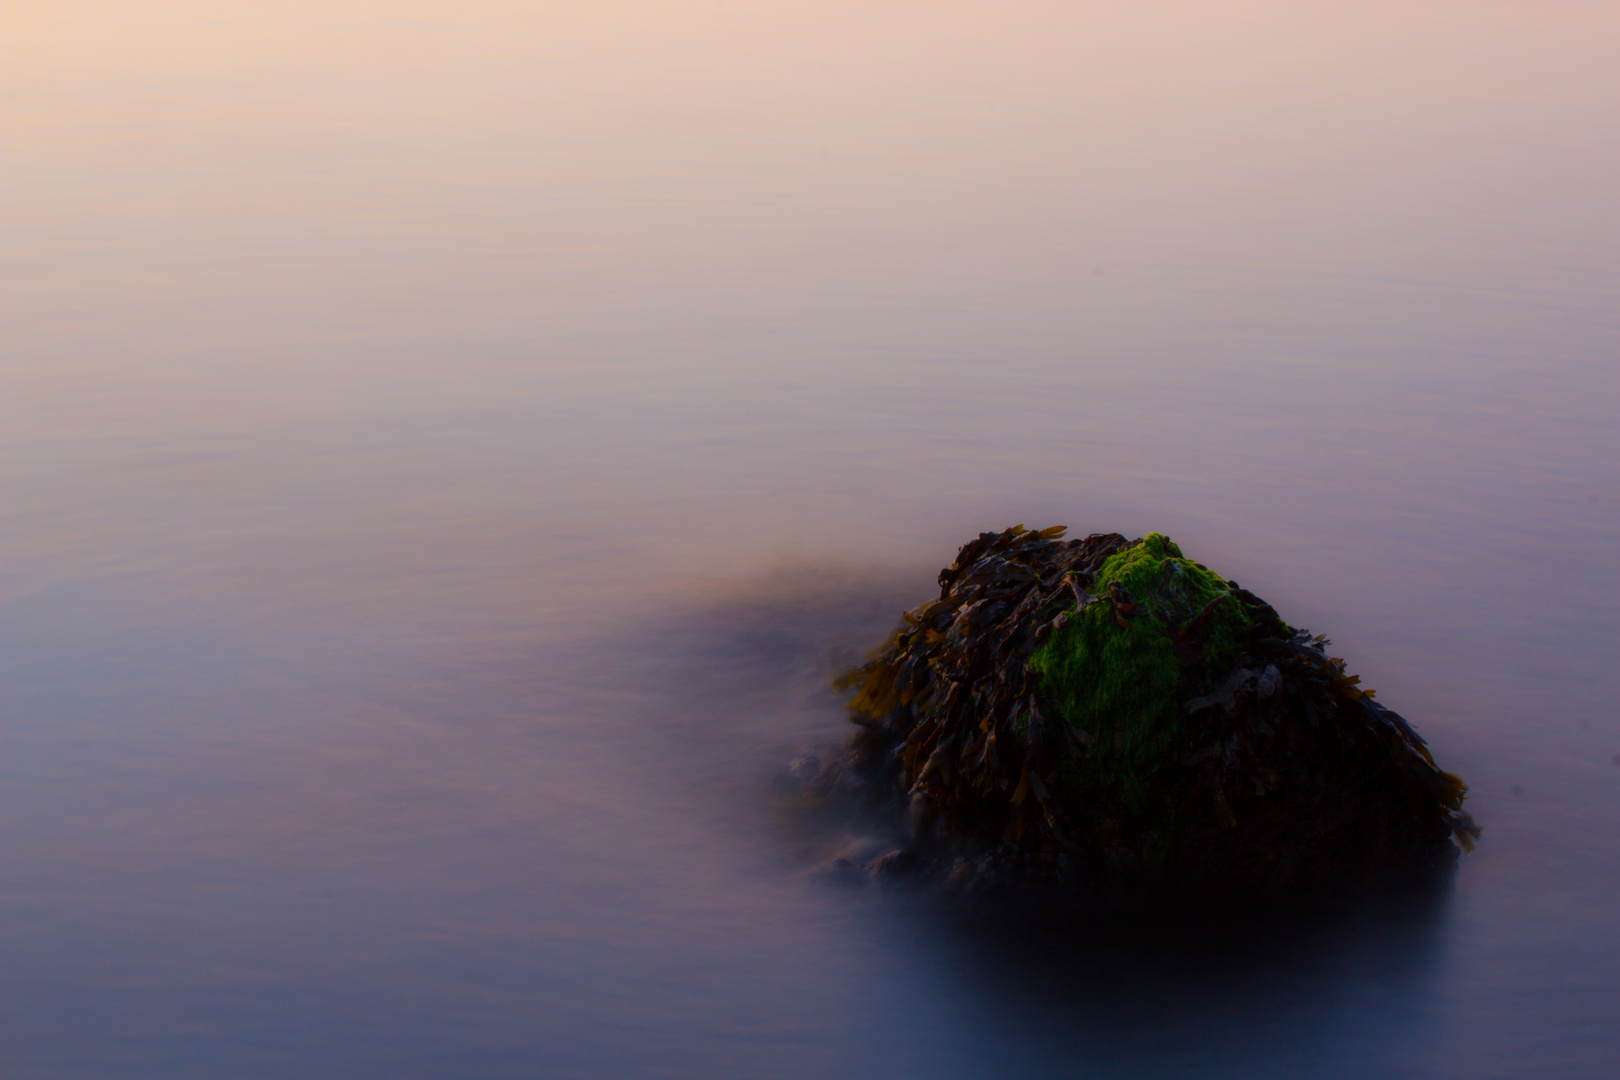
x=446 y=446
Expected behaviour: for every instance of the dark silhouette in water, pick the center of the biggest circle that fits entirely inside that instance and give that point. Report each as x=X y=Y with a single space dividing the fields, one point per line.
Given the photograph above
x=1108 y=714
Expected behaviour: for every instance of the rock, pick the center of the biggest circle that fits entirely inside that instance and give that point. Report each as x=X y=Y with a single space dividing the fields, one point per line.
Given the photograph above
x=897 y=864
x=800 y=777
x=1110 y=711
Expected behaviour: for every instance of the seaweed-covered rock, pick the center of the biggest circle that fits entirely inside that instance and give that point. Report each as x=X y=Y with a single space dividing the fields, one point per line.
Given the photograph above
x=1109 y=710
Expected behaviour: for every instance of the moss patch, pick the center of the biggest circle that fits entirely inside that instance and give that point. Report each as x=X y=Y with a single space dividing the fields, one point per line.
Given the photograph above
x=1120 y=669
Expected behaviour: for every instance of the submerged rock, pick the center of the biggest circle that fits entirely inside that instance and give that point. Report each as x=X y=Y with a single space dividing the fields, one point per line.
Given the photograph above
x=1109 y=712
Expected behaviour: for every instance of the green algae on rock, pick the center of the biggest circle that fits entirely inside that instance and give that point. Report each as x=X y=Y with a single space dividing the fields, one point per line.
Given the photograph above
x=1115 y=708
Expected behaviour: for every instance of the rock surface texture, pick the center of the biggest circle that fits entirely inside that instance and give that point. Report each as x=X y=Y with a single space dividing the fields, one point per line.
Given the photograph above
x=1107 y=711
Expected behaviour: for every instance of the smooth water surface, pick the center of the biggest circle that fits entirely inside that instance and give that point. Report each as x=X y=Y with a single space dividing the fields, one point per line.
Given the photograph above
x=447 y=448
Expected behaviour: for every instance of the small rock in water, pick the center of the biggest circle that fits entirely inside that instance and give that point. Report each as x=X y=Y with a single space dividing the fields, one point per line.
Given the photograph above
x=899 y=863
x=1107 y=712
x=798 y=775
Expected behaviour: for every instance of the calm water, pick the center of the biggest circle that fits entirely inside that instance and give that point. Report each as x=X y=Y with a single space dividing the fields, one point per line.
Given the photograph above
x=446 y=447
